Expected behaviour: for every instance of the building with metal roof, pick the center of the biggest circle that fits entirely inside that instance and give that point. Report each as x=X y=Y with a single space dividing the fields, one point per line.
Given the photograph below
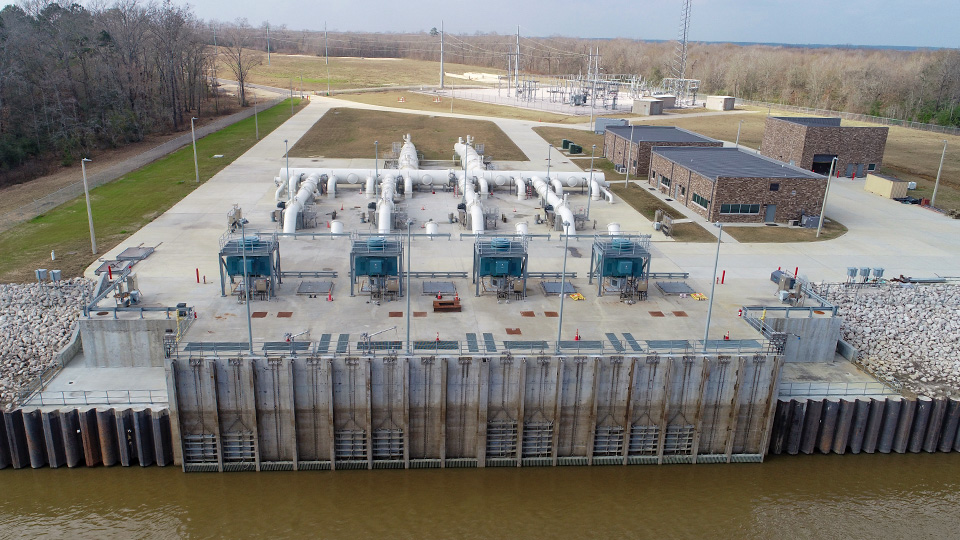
x=736 y=185
x=632 y=144
x=813 y=143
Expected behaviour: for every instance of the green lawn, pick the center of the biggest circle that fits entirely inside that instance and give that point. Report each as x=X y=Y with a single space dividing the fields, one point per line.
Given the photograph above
x=831 y=230
x=642 y=201
x=125 y=205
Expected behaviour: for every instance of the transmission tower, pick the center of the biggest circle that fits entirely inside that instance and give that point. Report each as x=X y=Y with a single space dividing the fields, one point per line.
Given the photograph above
x=680 y=59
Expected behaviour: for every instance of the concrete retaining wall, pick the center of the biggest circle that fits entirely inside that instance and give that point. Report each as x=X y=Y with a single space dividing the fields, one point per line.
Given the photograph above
x=109 y=342
x=866 y=425
x=290 y=413
x=85 y=437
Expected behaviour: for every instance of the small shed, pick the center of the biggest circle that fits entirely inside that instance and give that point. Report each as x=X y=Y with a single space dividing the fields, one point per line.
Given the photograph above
x=890 y=188
x=669 y=100
x=721 y=103
x=647 y=106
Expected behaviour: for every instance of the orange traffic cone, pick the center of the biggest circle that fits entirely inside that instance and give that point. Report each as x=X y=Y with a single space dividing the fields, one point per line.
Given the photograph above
x=726 y=336
x=438 y=336
x=341 y=207
x=577 y=337
x=329 y=296
x=439 y=296
x=423 y=207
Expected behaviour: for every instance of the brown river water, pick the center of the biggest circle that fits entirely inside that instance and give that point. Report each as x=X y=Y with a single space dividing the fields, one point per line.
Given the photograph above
x=882 y=496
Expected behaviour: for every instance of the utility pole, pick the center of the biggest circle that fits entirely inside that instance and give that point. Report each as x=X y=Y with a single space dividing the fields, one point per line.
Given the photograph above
x=268 y=43
x=933 y=198
x=713 y=288
x=626 y=180
x=193 y=135
x=86 y=193
x=326 y=56
x=441 y=55
x=823 y=207
x=516 y=64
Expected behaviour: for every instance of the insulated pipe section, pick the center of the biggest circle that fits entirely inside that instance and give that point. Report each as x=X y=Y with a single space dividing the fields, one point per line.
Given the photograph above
x=408 y=162
x=557 y=187
x=371 y=187
x=427 y=177
x=559 y=206
x=304 y=196
x=385 y=205
x=521 y=188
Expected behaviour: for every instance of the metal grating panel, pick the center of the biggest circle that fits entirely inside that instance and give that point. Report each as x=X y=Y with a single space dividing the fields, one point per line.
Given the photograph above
x=238 y=447
x=537 y=439
x=644 y=440
x=350 y=444
x=502 y=440
x=678 y=440
x=608 y=441
x=388 y=444
x=200 y=448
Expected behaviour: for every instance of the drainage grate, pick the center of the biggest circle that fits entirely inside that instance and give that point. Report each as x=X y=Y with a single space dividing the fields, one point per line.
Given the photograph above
x=238 y=447
x=388 y=444
x=200 y=448
x=285 y=314
x=678 y=440
x=537 y=439
x=656 y=313
x=258 y=314
x=350 y=444
x=396 y=314
x=419 y=314
x=436 y=345
x=608 y=441
x=527 y=314
x=644 y=440
x=513 y=331
x=679 y=313
x=551 y=314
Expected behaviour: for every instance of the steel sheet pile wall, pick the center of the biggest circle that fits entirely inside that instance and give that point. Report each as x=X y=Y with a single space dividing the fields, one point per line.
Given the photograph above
x=294 y=413
x=866 y=425
x=85 y=437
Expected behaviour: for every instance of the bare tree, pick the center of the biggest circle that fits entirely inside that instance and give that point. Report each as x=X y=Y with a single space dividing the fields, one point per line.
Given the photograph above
x=240 y=58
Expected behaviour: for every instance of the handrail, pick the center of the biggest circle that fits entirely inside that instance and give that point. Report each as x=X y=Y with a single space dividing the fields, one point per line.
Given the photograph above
x=97 y=397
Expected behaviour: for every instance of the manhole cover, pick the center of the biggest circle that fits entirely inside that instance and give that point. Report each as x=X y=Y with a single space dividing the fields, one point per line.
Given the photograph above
x=285 y=314
x=513 y=331
x=258 y=314
x=396 y=314
x=551 y=313
x=656 y=314
x=527 y=314
x=679 y=313
x=419 y=313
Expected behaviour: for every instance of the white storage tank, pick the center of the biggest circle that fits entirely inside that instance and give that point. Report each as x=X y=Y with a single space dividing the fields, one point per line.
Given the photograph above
x=522 y=228
x=613 y=229
x=336 y=227
x=432 y=228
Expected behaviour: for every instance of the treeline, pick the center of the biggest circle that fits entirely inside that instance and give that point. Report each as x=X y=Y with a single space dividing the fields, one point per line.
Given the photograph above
x=921 y=85
x=73 y=79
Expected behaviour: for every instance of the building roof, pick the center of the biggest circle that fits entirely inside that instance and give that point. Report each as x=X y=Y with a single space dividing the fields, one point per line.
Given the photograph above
x=811 y=121
x=658 y=134
x=714 y=162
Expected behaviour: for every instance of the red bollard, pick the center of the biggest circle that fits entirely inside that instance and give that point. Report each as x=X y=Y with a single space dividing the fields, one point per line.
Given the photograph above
x=796 y=271
x=109 y=273
x=723 y=276
x=198 y=275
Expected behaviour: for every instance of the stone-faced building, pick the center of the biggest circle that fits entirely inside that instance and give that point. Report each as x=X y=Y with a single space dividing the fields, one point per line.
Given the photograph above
x=811 y=143
x=736 y=186
x=616 y=147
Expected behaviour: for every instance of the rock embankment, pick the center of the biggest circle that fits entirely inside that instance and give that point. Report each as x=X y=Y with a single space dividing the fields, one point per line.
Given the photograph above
x=35 y=322
x=907 y=332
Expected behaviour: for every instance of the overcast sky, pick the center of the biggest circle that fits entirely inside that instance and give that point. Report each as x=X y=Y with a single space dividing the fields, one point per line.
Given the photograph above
x=924 y=23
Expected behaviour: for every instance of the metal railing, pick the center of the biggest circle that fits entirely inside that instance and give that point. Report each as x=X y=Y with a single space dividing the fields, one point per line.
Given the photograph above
x=836 y=389
x=854 y=116
x=98 y=397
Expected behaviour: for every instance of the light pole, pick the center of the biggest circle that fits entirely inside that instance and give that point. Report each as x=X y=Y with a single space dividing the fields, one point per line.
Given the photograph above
x=256 y=120
x=563 y=281
x=713 y=287
x=593 y=151
x=376 y=160
x=549 y=148
x=246 y=283
x=626 y=181
x=738 y=133
x=407 y=286
x=823 y=208
x=286 y=154
x=933 y=198
x=196 y=166
x=86 y=193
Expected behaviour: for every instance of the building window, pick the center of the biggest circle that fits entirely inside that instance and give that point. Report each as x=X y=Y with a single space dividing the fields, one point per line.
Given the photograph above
x=701 y=201
x=683 y=190
x=664 y=181
x=872 y=167
x=739 y=208
x=775 y=187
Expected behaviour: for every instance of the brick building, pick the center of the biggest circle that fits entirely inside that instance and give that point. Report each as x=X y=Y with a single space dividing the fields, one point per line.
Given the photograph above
x=736 y=186
x=616 y=146
x=811 y=143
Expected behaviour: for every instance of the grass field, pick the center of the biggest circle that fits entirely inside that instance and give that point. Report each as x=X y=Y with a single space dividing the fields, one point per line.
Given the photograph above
x=831 y=230
x=286 y=70
x=642 y=201
x=350 y=133
x=555 y=135
x=424 y=102
x=122 y=207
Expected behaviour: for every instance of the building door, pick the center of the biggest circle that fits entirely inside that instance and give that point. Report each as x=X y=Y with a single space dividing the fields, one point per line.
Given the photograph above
x=850 y=170
x=771 y=213
x=859 y=170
